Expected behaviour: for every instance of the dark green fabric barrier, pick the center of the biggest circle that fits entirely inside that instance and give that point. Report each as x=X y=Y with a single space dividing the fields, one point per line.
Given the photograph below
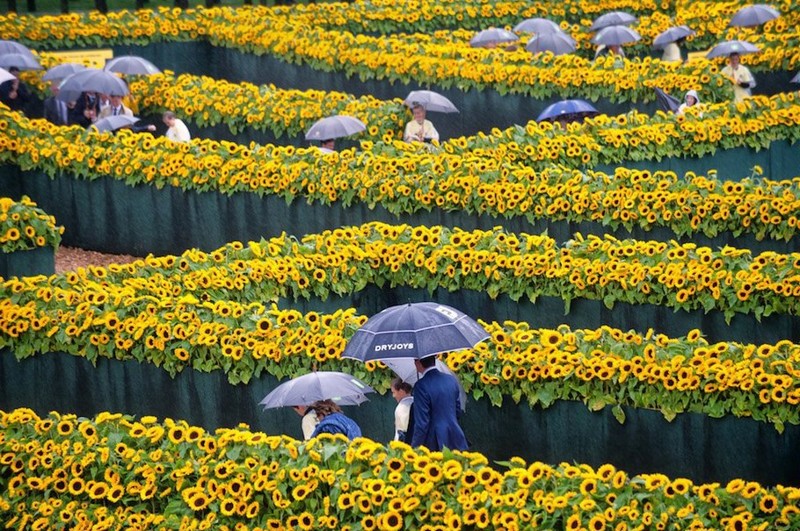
x=109 y=216
x=39 y=261
x=479 y=110
x=692 y=445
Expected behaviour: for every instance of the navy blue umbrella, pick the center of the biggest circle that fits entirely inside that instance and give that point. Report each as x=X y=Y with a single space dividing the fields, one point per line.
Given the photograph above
x=567 y=109
x=666 y=102
x=414 y=330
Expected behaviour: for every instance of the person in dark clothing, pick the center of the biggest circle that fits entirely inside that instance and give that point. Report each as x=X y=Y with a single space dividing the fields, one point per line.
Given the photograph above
x=86 y=109
x=14 y=93
x=333 y=421
x=55 y=110
x=435 y=409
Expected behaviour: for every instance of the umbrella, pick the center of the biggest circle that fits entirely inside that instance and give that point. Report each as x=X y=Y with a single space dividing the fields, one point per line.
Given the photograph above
x=414 y=330
x=671 y=35
x=492 y=36
x=666 y=102
x=112 y=123
x=335 y=126
x=92 y=80
x=59 y=72
x=537 y=25
x=406 y=370
x=567 y=109
x=726 y=48
x=557 y=42
x=15 y=47
x=131 y=64
x=614 y=18
x=754 y=15
x=342 y=388
x=5 y=75
x=616 y=36
x=795 y=79
x=20 y=60
x=432 y=101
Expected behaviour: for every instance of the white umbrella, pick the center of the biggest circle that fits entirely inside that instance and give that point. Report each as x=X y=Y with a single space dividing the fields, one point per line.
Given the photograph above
x=5 y=75
x=754 y=15
x=726 y=48
x=671 y=35
x=558 y=43
x=537 y=25
x=342 y=388
x=492 y=36
x=62 y=71
x=19 y=60
x=430 y=100
x=335 y=126
x=112 y=123
x=616 y=36
x=92 y=80
x=15 y=47
x=131 y=64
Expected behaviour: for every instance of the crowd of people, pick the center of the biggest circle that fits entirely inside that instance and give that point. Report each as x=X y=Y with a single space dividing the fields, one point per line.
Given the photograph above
x=426 y=414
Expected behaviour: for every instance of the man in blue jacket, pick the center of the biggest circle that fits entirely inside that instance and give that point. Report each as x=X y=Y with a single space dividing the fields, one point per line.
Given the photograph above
x=435 y=409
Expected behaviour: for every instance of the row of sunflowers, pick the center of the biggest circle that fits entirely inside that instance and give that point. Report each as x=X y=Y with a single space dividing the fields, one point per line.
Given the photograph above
x=207 y=311
x=421 y=58
x=489 y=174
x=24 y=226
x=116 y=471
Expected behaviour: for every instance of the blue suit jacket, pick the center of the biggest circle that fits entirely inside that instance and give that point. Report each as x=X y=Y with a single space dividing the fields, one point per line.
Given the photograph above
x=436 y=413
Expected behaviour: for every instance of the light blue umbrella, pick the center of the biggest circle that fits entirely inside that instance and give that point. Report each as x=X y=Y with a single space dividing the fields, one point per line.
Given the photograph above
x=537 y=25
x=557 y=42
x=131 y=64
x=336 y=126
x=616 y=36
x=342 y=388
x=19 y=60
x=671 y=35
x=567 y=109
x=64 y=70
x=725 y=48
x=492 y=36
x=430 y=100
x=754 y=15
x=414 y=330
x=614 y=18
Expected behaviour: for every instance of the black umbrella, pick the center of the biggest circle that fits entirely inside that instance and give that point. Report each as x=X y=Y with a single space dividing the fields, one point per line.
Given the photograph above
x=666 y=102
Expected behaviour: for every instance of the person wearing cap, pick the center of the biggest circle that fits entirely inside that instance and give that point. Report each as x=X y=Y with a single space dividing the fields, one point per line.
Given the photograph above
x=435 y=409
x=689 y=100
x=419 y=129
x=743 y=81
x=14 y=93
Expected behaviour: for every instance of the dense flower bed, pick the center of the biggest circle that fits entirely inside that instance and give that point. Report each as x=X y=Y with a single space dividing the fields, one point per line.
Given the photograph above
x=24 y=226
x=209 y=311
x=118 y=471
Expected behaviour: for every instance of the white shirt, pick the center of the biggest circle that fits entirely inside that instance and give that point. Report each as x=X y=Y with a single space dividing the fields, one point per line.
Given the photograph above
x=109 y=111
x=413 y=128
x=672 y=53
x=178 y=132
x=308 y=423
x=740 y=75
x=401 y=415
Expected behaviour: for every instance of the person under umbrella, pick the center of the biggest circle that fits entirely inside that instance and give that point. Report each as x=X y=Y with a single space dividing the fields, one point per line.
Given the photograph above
x=327 y=129
x=419 y=129
x=671 y=40
x=401 y=391
x=333 y=421
x=328 y=145
x=740 y=76
x=14 y=93
x=309 y=420
x=436 y=409
x=690 y=100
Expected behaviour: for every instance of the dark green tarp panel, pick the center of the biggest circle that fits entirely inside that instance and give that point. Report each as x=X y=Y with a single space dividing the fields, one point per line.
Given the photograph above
x=39 y=261
x=107 y=215
x=479 y=110
x=692 y=445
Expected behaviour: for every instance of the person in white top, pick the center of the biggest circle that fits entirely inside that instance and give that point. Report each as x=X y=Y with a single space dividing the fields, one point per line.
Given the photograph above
x=327 y=146
x=114 y=108
x=309 y=421
x=401 y=391
x=419 y=129
x=743 y=81
x=177 y=130
x=690 y=100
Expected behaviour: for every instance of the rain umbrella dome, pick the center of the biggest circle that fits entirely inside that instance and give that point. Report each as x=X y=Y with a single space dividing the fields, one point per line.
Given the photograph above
x=15 y=47
x=614 y=18
x=342 y=388
x=131 y=64
x=336 y=126
x=431 y=101
x=19 y=60
x=558 y=43
x=671 y=35
x=616 y=36
x=93 y=80
x=112 y=123
x=414 y=330
x=59 y=72
x=567 y=109
x=754 y=15
x=493 y=36
x=725 y=48
x=537 y=25
x=5 y=75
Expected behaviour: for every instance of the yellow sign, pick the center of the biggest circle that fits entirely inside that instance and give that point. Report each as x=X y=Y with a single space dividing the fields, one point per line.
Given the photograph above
x=90 y=58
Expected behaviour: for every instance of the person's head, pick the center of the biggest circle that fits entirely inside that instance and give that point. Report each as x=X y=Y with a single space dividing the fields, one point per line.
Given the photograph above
x=400 y=389
x=300 y=410
x=328 y=144
x=425 y=363
x=691 y=98
x=104 y=98
x=14 y=71
x=733 y=59
x=169 y=118
x=116 y=100
x=614 y=49
x=419 y=112
x=54 y=89
x=323 y=408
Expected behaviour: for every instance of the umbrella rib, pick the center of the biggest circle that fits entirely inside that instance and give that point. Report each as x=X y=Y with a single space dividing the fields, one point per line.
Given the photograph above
x=411 y=330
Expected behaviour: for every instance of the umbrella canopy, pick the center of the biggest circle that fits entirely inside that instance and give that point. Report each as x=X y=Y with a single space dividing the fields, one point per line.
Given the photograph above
x=567 y=109
x=405 y=369
x=414 y=330
x=5 y=75
x=754 y=15
x=537 y=25
x=62 y=71
x=20 y=60
x=614 y=18
x=432 y=101
x=131 y=64
x=342 y=388
x=112 y=123
x=666 y=102
x=492 y=36
x=92 y=80
x=557 y=42
x=671 y=35
x=335 y=126
x=795 y=79
x=15 y=47
x=616 y=36
x=725 y=48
